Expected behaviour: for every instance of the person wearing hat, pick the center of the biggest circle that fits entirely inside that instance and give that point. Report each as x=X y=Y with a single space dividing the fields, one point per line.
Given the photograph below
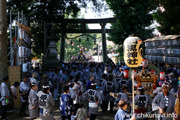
x=46 y=103
x=164 y=103
x=33 y=101
x=142 y=101
x=122 y=114
x=93 y=96
x=4 y=97
x=24 y=91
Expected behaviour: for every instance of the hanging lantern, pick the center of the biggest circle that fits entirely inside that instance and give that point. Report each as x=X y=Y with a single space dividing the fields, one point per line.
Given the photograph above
x=133 y=51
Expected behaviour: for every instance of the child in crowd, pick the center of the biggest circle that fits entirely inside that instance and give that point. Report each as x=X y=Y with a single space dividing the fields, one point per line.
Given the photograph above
x=81 y=113
x=65 y=104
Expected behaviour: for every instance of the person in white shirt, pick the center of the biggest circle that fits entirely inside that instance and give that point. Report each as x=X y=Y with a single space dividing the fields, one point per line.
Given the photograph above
x=4 y=97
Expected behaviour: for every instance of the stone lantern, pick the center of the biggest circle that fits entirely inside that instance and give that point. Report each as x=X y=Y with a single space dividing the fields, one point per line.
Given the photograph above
x=51 y=59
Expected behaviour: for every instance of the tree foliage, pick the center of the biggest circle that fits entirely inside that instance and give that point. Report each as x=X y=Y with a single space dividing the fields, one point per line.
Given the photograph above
x=39 y=12
x=73 y=46
x=167 y=16
x=133 y=19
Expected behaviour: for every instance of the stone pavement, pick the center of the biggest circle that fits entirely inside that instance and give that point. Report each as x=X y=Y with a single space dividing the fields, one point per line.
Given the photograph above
x=13 y=115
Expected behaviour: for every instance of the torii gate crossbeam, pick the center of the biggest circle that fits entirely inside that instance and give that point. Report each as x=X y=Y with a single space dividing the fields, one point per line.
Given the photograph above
x=82 y=29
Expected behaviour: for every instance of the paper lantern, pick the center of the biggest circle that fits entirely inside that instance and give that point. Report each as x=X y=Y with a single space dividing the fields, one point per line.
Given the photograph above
x=126 y=73
x=162 y=75
x=133 y=51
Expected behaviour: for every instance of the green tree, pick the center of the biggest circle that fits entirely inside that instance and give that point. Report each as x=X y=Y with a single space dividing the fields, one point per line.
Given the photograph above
x=133 y=19
x=167 y=16
x=74 y=45
x=40 y=11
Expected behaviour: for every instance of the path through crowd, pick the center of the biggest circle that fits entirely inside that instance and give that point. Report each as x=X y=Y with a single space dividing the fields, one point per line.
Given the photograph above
x=13 y=115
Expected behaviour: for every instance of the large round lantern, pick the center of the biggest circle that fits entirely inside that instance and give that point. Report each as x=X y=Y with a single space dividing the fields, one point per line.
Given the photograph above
x=133 y=51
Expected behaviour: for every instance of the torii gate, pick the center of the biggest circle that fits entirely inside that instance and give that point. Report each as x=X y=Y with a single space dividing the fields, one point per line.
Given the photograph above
x=82 y=29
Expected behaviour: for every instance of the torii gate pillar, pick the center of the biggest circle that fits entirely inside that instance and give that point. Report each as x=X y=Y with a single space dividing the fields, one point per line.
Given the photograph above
x=103 y=29
x=63 y=37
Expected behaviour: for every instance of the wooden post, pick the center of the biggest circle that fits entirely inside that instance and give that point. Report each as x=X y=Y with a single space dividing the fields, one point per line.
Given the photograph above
x=62 y=52
x=133 y=93
x=104 y=42
x=3 y=39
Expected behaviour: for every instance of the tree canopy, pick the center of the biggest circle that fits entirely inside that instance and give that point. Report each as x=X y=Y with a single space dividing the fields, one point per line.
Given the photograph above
x=167 y=16
x=73 y=46
x=40 y=11
x=134 y=18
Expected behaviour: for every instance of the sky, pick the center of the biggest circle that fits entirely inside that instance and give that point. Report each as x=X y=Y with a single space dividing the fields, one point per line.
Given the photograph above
x=90 y=14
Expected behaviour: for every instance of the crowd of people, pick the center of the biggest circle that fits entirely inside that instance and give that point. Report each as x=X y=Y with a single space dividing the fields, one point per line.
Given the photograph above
x=80 y=88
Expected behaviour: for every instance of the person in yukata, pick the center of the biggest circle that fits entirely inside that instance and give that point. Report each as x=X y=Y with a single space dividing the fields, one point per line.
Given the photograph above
x=109 y=87
x=124 y=81
x=122 y=114
x=33 y=101
x=164 y=103
x=123 y=94
x=174 y=83
x=66 y=104
x=94 y=98
x=142 y=101
x=46 y=103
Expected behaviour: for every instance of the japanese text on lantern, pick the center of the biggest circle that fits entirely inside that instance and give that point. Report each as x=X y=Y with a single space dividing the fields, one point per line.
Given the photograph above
x=132 y=54
x=132 y=51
